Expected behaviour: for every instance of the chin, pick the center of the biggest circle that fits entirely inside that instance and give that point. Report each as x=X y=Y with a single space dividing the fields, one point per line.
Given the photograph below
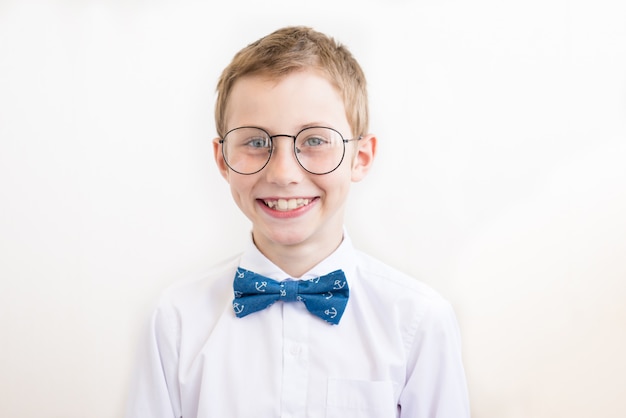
x=288 y=238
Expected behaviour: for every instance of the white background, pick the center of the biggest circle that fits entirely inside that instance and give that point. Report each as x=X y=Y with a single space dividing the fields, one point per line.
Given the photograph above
x=500 y=182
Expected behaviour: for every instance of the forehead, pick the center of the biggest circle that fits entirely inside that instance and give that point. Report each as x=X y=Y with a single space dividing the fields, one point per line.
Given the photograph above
x=289 y=102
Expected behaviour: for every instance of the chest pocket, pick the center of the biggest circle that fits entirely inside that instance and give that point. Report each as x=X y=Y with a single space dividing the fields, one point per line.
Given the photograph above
x=348 y=398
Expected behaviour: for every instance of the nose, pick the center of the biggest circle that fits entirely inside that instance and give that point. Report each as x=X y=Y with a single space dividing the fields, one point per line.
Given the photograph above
x=283 y=168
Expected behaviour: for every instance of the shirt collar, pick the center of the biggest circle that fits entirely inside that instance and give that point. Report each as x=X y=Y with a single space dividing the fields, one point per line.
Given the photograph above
x=343 y=258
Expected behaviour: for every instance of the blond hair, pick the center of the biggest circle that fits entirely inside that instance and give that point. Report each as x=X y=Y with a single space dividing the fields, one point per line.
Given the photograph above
x=292 y=49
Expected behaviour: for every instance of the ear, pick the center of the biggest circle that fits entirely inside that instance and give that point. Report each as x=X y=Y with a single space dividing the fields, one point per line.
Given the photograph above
x=364 y=157
x=219 y=159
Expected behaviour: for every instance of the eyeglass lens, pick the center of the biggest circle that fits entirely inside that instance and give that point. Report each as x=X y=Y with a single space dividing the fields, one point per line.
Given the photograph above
x=319 y=150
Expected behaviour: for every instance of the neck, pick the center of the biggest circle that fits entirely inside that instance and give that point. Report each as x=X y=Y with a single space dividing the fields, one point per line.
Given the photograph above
x=297 y=259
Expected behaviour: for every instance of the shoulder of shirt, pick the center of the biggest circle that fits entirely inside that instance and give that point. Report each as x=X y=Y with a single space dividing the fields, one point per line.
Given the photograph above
x=399 y=300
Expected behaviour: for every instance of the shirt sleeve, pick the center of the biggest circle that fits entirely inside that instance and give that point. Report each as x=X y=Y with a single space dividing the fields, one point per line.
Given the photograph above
x=436 y=385
x=155 y=390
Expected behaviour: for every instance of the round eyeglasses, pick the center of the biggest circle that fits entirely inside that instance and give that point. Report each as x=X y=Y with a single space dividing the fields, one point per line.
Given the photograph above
x=318 y=150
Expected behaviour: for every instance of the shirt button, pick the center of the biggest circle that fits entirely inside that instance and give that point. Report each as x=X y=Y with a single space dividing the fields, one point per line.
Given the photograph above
x=295 y=350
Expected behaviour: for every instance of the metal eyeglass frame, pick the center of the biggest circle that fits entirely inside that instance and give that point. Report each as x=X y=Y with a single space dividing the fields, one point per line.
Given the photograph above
x=295 y=149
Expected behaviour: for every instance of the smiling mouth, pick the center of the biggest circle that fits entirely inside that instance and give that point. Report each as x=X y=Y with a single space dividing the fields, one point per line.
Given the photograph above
x=284 y=205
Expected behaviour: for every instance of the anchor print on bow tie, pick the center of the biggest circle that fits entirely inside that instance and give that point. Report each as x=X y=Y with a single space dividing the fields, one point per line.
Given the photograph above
x=324 y=296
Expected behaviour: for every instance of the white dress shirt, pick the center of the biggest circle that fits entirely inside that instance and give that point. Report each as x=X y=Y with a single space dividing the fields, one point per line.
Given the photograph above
x=395 y=353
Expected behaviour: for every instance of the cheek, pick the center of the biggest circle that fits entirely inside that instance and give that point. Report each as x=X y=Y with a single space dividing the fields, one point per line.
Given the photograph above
x=338 y=182
x=236 y=189
x=241 y=188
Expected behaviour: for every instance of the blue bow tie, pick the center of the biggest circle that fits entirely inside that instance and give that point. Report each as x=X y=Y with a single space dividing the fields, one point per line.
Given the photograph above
x=324 y=296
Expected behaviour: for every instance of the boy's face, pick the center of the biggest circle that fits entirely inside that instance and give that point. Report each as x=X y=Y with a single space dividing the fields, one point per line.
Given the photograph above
x=286 y=106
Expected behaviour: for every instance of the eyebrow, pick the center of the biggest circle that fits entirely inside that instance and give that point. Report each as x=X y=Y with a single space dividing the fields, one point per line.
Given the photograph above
x=298 y=129
x=324 y=124
x=314 y=124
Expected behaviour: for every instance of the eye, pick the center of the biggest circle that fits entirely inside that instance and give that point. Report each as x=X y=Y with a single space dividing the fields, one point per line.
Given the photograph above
x=314 y=141
x=257 y=142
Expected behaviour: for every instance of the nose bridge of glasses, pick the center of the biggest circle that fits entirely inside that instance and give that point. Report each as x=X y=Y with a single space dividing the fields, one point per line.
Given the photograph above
x=292 y=137
x=274 y=142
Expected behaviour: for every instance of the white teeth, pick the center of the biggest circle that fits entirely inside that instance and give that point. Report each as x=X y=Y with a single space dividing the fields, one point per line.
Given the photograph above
x=286 y=204
x=283 y=204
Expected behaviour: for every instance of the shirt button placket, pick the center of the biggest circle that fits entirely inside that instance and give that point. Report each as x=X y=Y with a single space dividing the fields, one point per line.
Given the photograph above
x=295 y=361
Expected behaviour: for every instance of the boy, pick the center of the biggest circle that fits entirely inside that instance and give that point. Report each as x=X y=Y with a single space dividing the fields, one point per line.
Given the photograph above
x=301 y=324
